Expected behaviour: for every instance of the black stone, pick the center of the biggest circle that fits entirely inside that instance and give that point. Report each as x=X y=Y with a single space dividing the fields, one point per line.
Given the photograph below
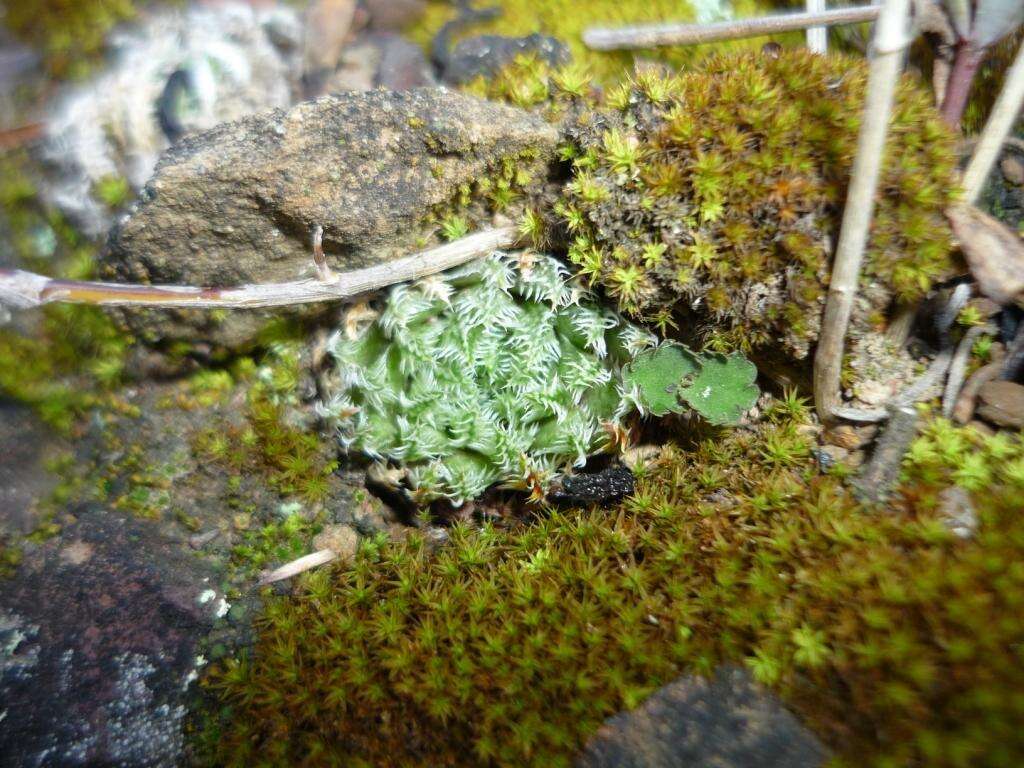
x=599 y=487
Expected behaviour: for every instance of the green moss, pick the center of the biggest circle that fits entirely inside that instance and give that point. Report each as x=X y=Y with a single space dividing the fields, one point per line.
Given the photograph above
x=273 y=543
x=717 y=195
x=79 y=356
x=896 y=641
x=988 y=82
x=113 y=191
x=566 y=20
x=75 y=356
x=506 y=186
x=70 y=33
x=291 y=460
x=10 y=557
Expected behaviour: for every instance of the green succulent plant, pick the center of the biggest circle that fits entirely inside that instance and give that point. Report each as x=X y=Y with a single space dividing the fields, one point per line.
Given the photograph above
x=504 y=371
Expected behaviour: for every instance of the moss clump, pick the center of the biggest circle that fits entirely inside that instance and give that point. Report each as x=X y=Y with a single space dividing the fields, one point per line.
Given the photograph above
x=292 y=460
x=717 y=194
x=898 y=642
x=70 y=33
x=66 y=370
x=566 y=20
x=273 y=543
x=10 y=557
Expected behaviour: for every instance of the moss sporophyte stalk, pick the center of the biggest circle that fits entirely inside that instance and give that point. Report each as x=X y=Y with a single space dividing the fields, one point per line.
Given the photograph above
x=506 y=371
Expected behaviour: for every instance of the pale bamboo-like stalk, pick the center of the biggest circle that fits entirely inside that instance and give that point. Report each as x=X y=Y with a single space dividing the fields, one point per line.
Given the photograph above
x=26 y=289
x=817 y=37
x=1000 y=123
x=891 y=37
x=654 y=35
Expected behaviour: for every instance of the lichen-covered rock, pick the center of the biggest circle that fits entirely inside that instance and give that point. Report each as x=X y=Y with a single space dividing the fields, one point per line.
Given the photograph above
x=237 y=204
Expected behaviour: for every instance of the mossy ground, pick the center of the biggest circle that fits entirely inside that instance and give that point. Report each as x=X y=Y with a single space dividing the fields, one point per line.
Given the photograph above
x=896 y=641
x=72 y=356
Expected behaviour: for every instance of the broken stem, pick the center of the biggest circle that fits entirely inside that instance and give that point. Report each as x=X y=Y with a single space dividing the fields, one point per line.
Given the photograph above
x=26 y=289
x=965 y=66
x=323 y=271
x=890 y=40
x=653 y=35
x=958 y=368
x=817 y=37
x=994 y=135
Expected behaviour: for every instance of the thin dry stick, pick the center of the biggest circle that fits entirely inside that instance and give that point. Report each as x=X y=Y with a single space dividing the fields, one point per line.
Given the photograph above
x=958 y=368
x=653 y=35
x=26 y=289
x=1000 y=123
x=323 y=270
x=890 y=39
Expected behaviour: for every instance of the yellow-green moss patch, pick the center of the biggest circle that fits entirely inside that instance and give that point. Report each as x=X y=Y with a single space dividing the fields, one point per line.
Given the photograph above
x=896 y=641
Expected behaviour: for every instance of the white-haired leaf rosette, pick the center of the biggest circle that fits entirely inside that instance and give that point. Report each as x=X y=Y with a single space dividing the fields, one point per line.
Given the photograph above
x=504 y=371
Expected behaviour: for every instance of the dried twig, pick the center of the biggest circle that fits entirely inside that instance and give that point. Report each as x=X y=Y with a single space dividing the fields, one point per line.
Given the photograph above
x=15 y=138
x=295 y=567
x=1013 y=363
x=880 y=474
x=26 y=289
x=967 y=400
x=323 y=270
x=1000 y=123
x=653 y=35
x=958 y=368
x=890 y=39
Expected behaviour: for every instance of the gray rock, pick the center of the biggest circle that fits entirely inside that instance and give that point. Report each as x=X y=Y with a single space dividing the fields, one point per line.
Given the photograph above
x=486 y=54
x=727 y=721
x=403 y=65
x=238 y=203
x=393 y=15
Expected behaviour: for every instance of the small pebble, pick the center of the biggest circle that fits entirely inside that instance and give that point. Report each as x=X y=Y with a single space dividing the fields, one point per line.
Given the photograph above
x=340 y=539
x=1013 y=169
x=1002 y=403
x=956 y=510
x=843 y=436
